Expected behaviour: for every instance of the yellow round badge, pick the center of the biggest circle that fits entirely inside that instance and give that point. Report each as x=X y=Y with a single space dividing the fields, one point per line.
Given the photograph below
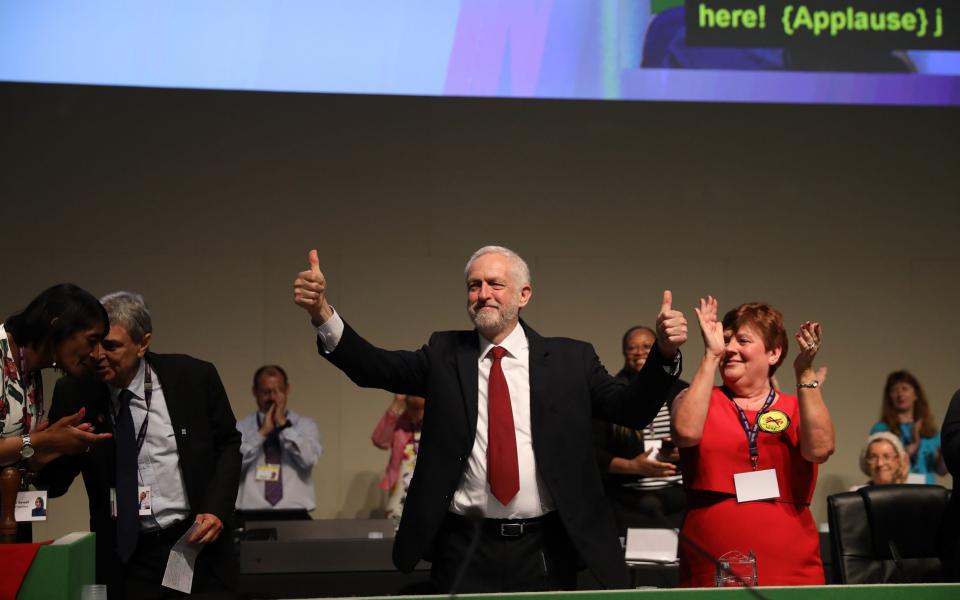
x=774 y=421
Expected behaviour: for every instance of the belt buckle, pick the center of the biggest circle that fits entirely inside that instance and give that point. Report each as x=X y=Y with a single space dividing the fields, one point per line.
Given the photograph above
x=511 y=529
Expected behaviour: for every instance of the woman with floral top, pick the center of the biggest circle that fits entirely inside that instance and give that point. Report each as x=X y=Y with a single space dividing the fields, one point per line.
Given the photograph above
x=399 y=432
x=62 y=327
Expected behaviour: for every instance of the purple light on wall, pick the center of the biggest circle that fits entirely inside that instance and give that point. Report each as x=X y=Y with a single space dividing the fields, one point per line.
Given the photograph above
x=498 y=44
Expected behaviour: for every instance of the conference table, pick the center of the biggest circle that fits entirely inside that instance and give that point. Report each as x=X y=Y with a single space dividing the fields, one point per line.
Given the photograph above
x=352 y=558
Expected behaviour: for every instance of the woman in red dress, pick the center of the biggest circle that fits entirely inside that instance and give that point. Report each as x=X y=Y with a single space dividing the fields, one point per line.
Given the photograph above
x=749 y=453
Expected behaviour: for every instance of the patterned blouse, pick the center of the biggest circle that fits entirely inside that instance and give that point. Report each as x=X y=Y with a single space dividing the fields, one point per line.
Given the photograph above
x=17 y=416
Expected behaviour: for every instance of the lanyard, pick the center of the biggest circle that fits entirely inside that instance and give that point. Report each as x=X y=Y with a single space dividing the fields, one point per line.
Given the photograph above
x=147 y=397
x=753 y=432
x=37 y=386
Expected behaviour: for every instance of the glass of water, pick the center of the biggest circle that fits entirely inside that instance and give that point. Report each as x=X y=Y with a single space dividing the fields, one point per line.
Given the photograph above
x=735 y=569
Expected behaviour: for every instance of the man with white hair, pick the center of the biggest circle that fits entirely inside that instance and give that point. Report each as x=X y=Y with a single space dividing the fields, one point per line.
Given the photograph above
x=506 y=495
x=174 y=441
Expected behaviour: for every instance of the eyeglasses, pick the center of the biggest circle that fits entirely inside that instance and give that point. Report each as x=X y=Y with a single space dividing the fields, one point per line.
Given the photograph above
x=873 y=458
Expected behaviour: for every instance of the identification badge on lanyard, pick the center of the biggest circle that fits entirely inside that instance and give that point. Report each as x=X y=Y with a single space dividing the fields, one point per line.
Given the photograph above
x=268 y=473
x=31 y=506
x=756 y=485
x=144 y=501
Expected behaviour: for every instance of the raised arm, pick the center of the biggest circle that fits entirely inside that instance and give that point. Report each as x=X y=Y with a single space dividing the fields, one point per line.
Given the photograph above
x=638 y=403
x=382 y=436
x=816 y=427
x=690 y=406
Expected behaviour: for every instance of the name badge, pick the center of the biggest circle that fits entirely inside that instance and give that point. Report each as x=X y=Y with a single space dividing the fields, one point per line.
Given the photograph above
x=756 y=485
x=268 y=472
x=144 y=500
x=31 y=506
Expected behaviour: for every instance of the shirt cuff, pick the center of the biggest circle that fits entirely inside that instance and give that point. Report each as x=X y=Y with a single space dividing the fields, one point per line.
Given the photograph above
x=675 y=366
x=330 y=332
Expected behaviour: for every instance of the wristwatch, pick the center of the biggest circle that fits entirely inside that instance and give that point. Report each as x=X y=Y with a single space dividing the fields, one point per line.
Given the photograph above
x=26 y=448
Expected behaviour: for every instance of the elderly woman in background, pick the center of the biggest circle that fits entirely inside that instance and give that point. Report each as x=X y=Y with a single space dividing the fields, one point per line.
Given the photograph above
x=884 y=459
x=906 y=413
x=399 y=432
x=62 y=327
x=749 y=452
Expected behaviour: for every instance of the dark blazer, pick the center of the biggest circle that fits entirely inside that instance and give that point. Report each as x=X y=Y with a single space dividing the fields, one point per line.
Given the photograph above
x=950 y=532
x=207 y=441
x=568 y=386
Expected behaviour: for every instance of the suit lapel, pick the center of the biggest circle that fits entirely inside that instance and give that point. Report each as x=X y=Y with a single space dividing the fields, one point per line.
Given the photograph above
x=539 y=365
x=173 y=393
x=468 y=353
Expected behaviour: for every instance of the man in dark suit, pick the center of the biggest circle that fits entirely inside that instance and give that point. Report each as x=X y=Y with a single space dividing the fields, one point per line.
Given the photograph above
x=506 y=495
x=160 y=407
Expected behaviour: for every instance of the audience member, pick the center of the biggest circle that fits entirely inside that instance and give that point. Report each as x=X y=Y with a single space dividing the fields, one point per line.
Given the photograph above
x=399 y=432
x=906 y=413
x=749 y=451
x=174 y=437
x=279 y=449
x=884 y=459
x=506 y=416
x=641 y=477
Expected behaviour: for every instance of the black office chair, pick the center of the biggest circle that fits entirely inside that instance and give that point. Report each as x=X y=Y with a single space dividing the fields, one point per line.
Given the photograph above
x=887 y=533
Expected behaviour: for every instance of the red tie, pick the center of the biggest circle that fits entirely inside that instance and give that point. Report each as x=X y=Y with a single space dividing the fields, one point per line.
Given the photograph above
x=502 y=470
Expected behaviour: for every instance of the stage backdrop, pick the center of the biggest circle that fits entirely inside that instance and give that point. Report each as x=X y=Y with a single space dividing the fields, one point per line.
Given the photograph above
x=208 y=201
x=903 y=52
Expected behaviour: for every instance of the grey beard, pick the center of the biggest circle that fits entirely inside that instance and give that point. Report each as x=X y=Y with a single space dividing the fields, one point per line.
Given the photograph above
x=491 y=326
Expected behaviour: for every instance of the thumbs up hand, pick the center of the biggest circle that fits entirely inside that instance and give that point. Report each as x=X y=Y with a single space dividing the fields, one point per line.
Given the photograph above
x=671 y=327
x=310 y=291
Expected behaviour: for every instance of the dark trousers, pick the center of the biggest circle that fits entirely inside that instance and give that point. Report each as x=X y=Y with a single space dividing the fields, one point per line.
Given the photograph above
x=489 y=558
x=141 y=577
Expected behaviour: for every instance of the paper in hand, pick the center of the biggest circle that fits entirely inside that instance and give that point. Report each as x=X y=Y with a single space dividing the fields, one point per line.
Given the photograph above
x=179 y=572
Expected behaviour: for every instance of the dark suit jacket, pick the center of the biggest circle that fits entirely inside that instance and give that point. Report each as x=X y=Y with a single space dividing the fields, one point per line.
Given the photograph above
x=207 y=441
x=568 y=386
x=950 y=532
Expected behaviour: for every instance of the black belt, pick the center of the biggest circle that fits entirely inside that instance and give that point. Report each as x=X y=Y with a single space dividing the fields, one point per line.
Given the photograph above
x=171 y=532
x=506 y=528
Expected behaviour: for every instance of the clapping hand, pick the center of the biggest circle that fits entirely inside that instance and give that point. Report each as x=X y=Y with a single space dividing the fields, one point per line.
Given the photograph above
x=809 y=338
x=710 y=328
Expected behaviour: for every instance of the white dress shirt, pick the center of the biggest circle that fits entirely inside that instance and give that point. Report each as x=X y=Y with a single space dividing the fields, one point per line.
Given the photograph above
x=159 y=460
x=533 y=499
